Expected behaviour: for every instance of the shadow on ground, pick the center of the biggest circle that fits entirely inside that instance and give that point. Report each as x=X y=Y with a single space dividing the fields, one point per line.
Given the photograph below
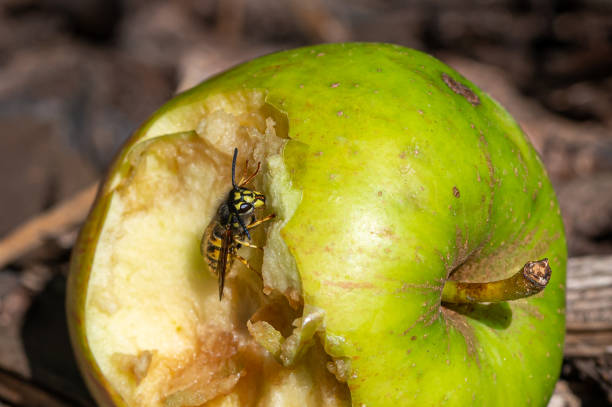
x=47 y=346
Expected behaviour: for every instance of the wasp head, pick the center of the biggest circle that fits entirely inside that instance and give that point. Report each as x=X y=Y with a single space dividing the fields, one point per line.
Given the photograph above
x=244 y=201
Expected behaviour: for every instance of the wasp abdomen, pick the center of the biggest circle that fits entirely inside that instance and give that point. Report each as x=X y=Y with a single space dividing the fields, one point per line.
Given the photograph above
x=212 y=244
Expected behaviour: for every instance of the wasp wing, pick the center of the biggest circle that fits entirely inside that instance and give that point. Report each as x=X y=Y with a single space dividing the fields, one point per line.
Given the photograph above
x=226 y=242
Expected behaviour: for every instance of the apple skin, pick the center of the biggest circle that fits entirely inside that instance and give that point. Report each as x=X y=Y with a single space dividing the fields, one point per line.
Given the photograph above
x=409 y=175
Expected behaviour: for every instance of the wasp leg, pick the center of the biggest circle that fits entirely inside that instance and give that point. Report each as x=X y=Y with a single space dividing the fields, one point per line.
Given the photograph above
x=247 y=265
x=247 y=244
x=245 y=178
x=260 y=221
x=251 y=226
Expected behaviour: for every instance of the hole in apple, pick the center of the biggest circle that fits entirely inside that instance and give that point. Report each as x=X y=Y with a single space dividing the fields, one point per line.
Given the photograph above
x=154 y=322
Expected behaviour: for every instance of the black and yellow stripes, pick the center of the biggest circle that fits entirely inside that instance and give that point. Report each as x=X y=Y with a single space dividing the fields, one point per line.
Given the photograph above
x=211 y=246
x=229 y=230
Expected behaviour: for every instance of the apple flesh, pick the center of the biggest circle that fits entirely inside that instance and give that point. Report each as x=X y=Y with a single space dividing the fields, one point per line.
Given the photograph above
x=390 y=174
x=154 y=324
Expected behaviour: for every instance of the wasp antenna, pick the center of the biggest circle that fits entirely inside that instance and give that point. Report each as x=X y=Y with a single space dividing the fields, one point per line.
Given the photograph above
x=234 y=167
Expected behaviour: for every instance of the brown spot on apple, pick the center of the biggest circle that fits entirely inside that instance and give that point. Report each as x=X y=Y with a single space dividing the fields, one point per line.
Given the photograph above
x=456 y=192
x=461 y=89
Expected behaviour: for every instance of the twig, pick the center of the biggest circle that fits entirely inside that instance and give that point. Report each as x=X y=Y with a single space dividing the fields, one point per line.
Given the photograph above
x=21 y=392
x=48 y=225
x=588 y=342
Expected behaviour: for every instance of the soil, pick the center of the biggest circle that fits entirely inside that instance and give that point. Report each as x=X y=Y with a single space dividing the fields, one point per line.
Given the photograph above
x=78 y=76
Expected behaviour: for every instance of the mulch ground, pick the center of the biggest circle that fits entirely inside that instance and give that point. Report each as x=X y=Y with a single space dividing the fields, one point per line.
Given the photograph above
x=77 y=77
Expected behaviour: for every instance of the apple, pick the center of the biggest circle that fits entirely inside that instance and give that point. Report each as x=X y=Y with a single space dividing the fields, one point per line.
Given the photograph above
x=407 y=202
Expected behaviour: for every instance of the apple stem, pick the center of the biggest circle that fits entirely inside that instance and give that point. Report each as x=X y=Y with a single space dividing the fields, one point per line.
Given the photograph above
x=531 y=279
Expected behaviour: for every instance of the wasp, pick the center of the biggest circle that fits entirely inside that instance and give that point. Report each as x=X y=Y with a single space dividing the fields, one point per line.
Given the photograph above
x=229 y=230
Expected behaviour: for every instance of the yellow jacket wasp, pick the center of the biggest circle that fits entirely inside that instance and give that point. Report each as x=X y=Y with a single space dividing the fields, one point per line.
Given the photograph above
x=229 y=230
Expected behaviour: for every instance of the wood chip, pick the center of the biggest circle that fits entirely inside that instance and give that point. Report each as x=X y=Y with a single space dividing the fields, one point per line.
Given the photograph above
x=51 y=224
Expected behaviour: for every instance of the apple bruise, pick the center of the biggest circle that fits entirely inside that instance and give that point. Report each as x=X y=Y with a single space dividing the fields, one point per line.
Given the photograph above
x=154 y=322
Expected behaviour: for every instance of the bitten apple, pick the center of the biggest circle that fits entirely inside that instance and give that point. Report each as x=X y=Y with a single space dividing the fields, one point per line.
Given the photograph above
x=395 y=183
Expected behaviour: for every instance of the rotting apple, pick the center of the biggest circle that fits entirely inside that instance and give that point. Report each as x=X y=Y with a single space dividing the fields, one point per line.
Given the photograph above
x=394 y=181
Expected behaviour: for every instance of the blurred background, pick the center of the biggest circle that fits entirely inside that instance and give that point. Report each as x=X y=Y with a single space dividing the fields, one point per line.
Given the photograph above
x=78 y=76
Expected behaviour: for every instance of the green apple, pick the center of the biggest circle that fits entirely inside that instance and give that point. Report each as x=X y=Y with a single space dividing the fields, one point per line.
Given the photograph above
x=393 y=180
